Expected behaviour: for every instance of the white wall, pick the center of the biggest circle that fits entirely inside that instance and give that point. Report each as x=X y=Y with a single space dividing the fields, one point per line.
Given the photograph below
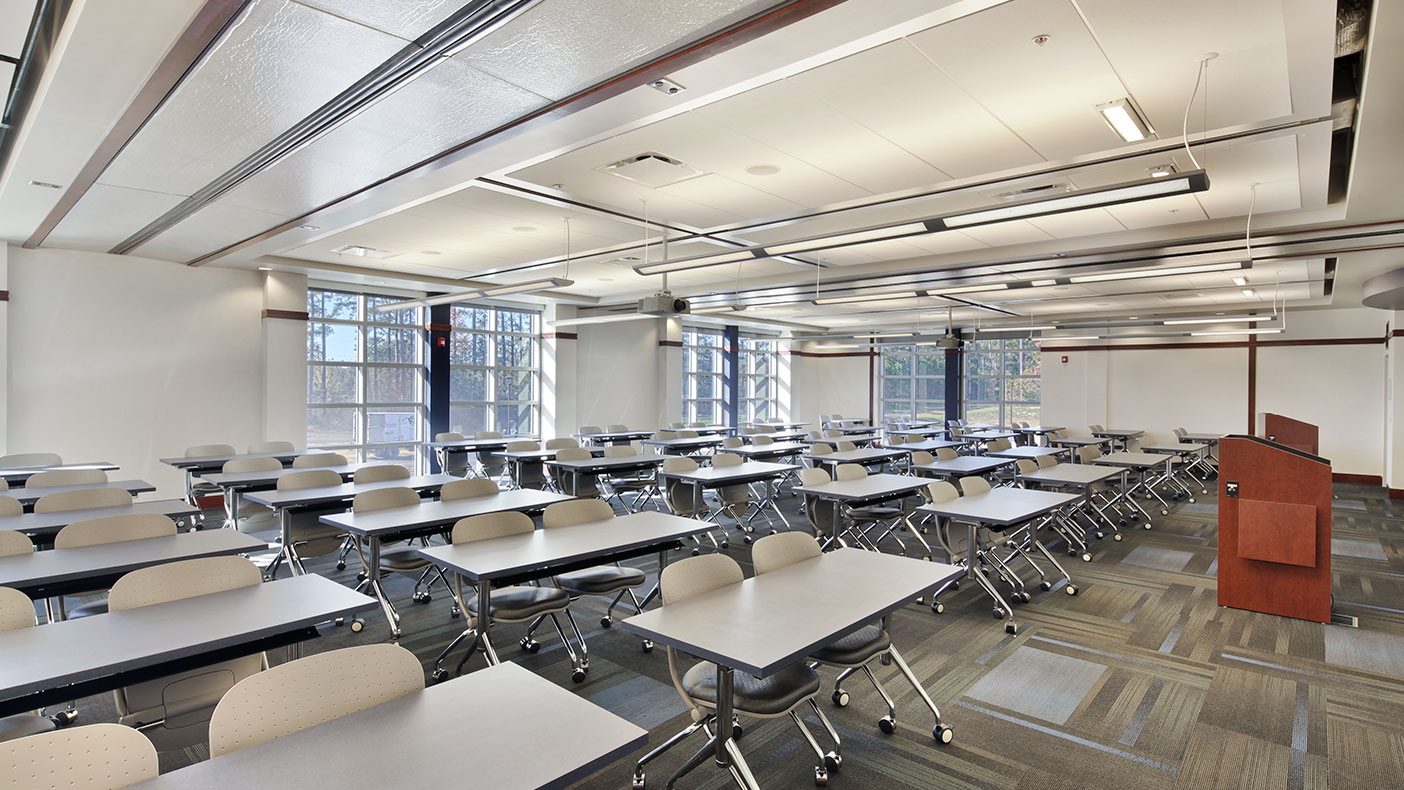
x=828 y=384
x=1202 y=391
x=618 y=367
x=285 y=360
x=129 y=360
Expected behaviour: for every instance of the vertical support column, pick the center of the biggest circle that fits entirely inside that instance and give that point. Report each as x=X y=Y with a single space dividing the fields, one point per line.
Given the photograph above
x=955 y=372
x=438 y=339
x=785 y=408
x=1394 y=410
x=670 y=395
x=285 y=357
x=558 y=373
x=4 y=347
x=1252 y=384
x=731 y=376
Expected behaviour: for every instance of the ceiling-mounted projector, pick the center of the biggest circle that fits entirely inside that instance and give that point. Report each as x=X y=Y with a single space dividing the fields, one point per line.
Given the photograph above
x=663 y=304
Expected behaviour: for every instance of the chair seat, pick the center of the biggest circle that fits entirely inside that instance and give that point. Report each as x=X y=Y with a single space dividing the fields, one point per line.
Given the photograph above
x=770 y=696
x=515 y=604
x=600 y=579
x=855 y=649
x=23 y=725
x=403 y=559
x=87 y=610
x=874 y=513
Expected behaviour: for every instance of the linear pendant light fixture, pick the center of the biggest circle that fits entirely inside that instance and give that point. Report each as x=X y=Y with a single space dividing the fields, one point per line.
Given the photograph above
x=1136 y=274
x=726 y=308
x=481 y=293
x=1185 y=183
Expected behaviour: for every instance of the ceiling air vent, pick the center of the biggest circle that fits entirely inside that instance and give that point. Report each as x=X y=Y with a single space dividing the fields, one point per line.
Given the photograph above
x=1041 y=190
x=364 y=252
x=1180 y=295
x=652 y=169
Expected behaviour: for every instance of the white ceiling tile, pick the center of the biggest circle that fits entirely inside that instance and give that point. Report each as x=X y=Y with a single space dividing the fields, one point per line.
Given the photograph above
x=1005 y=233
x=407 y=19
x=1234 y=169
x=106 y=213
x=1077 y=223
x=1161 y=211
x=191 y=238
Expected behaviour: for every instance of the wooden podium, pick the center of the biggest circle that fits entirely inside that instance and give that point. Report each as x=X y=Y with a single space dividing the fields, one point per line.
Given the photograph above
x=1275 y=526
x=1286 y=431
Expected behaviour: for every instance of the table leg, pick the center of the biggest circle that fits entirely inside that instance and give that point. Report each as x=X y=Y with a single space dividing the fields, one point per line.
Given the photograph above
x=285 y=530
x=770 y=495
x=727 y=755
x=485 y=620
x=231 y=514
x=373 y=576
x=972 y=572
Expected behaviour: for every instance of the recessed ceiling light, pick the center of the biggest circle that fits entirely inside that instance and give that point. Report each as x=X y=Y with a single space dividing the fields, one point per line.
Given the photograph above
x=1249 y=292
x=1161 y=171
x=265 y=268
x=45 y=184
x=763 y=170
x=308 y=227
x=362 y=251
x=1133 y=318
x=430 y=252
x=1124 y=119
x=1240 y=281
x=377 y=282
x=524 y=229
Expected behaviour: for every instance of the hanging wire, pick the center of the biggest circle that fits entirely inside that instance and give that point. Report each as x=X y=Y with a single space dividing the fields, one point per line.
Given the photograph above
x=1184 y=127
x=1248 y=227
x=566 y=274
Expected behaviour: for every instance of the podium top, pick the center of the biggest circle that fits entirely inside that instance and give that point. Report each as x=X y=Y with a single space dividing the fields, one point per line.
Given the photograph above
x=1280 y=446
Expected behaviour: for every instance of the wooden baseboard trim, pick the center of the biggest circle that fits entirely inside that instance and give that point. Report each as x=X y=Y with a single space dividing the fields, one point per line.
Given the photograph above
x=1365 y=480
x=1396 y=493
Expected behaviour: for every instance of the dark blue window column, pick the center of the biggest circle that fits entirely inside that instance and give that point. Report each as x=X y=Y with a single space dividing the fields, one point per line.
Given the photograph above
x=731 y=375
x=439 y=337
x=955 y=379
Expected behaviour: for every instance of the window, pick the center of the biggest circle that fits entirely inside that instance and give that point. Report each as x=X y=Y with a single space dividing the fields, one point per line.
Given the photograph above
x=760 y=379
x=365 y=378
x=913 y=383
x=495 y=371
x=702 y=359
x=1002 y=381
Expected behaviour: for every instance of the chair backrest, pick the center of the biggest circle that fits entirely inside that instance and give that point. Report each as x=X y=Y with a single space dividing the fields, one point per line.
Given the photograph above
x=522 y=446
x=970 y=486
x=173 y=581
x=947 y=453
x=311 y=478
x=763 y=440
x=1180 y=433
x=816 y=435
x=203 y=450
x=4 y=484
x=448 y=436
x=114 y=529
x=662 y=435
x=82 y=499
x=1095 y=428
x=619 y=451
x=95 y=756
x=697 y=425
x=9 y=506
x=688 y=434
x=468 y=488
x=727 y=459
x=773 y=552
x=821 y=449
x=487 y=435
x=1026 y=466
x=25 y=460
x=895 y=438
x=752 y=430
x=845 y=446
x=271 y=447
x=65 y=477
x=12 y=544
x=814 y=476
x=733 y=441
x=380 y=472
x=1047 y=461
x=590 y=429
x=941 y=491
x=319 y=460
x=1132 y=446
x=383 y=499
x=573 y=454
x=693 y=576
x=1087 y=453
x=491 y=525
x=676 y=425
x=679 y=463
x=850 y=472
x=576 y=511
x=236 y=466
x=922 y=458
x=681 y=497
x=832 y=434
x=16 y=610
x=617 y=427
x=310 y=691
x=561 y=444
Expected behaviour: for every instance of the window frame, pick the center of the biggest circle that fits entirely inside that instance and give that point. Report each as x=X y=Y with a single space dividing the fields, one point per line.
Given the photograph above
x=1000 y=380
x=746 y=398
x=911 y=355
x=492 y=371
x=691 y=374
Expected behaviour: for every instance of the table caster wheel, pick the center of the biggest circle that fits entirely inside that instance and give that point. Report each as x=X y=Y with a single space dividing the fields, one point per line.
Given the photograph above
x=358 y=625
x=1011 y=628
x=725 y=544
x=696 y=550
x=1072 y=552
x=639 y=782
x=438 y=675
x=423 y=597
x=943 y=734
x=606 y=621
x=341 y=565
x=821 y=777
x=887 y=725
x=455 y=613
x=937 y=607
x=360 y=577
x=1191 y=500
x=1086 y=556
x=1117 y=537
x=1148 y=525
x=529 y=645
x=577 y=676
x=1045 y=586
x=1071 y=589
x=1164 y=512
x=746 y=539
x=647 y=646
x=833 y=762
x=737 y=731
x=1023 y=597
x=998 y=613
x=1121 y=522
x=1100 y=534
x=840 y=698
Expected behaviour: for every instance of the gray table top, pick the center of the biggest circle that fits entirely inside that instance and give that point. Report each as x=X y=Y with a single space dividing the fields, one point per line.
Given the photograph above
x=963 y=465
x=710 y=430
x=688 y=441
x=444 y=736
x=344 y=492
x=639 y=461
x=1118 y=433
x=1039 y=428
x=1001 y=506
x=980 y=426
x=1079 y=441
x=608 y=435
x=932 y=431
x=28 y=572
x=1130 y=460
x=746 y=472
x=28 y=496
x=14 y=474
x=544 y=549
x=778 y=436
x=62 y=653
x=471 y=445
x=1028 y=452
x=217 y=461
x=1174 y=449
x=241 y=480
x=779 y=425
x=1207 y=438
x=50 y=523
x=864 y=439
x=540 y=455
x=989 y=435
x=1081 y=475
x=773 y=450
x=871 y=487
x=437 y=513
x=770 y=621
x=928 y=445
x=859 y=456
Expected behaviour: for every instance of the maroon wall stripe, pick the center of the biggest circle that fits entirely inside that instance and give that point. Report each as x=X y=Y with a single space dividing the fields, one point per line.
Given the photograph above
x=294 y=315
x=560 y=336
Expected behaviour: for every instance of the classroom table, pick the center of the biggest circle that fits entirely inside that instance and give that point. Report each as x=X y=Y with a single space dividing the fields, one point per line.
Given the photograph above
x=427 y=518
x=1210 y=459
x=16 y=476
x=934 y=430
x=864 y=456
x=685 y=445
x=768 y=622
x=772 y=450
x=864 y=491
x=42 y=527
x=780 y=425
x=429 y=742
x=928 y=445
x=1141 y=462
x=59 y=662
x=777 y=436
x=194 y=465
x=978 y=426
x=709 y=430
x=470 y=446
x=982 y=438
x=587 y=467
x=1025 y=451
x=612 y=437
x=517 y=459
x=1077 y=442
x=54 y=574
x=1118 y=435
x=1035 y=432
x=745 y=474
x=833 y=441
x=1081 y=477
x=997 y=510
x=28 y=496
x=1176 y=450
x=233 y=484
x=514 y=559
x=961 y=466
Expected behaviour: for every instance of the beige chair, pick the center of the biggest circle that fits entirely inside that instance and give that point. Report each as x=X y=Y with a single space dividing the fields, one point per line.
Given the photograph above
x=665 y=435
x=779 y=694
x=236 y=466
x=586 y=429
x=562 y=443
x=174 y=711
x=972 y=486
x=566 y=481
x=677 y=425
x=66 y=477
x=17 y=611
x=855 y=651
x=319 y=461
x=759 y=440
x=467 y=488
x=946 y=453
x=99 y=531
x=4 y=484
x=455 y=462
x=527 y=603
x=821 y=514
x=922 y=458
x=737 y=501
x=732 y=442
x=271 y=447
x=250 y=512
x=9 y=506
x=686 y=500
x=29 y=460
x=531 y=473
x=638 y=485
x=617 y=427
x=1026 y=466
x=380 y=473
x=403 y=558
x=1088 y=453
x=310 y=691
x=93 y=757
x=13 y=543
x=866 y=519
x=688 y=434
x=489 y=464
x=306 y=535
x=199 y=489
x=1047 y=461
x=845 y=446
x=602 y=580
x=82 y=499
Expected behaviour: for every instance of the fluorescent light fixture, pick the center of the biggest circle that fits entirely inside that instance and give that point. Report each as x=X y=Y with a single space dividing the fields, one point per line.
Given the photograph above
x=1250 y=293
x=887 y=334
x=726 y=308
x=1244 y=331
x=664 y=267
x=966 y=289
x=1144 y=189
x=1240 y=281
x=1124 y=119
x=848 y=239
x=983 y=330
x=1046 y=338
x=602 y=319
x=1136 y=274
x=1043 y=283
x=1217 y=319
x=494 y=290
x=877 y=297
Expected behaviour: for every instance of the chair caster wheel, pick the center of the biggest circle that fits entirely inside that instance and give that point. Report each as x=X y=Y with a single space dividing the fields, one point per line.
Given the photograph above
x=737 y=731
x=821 y=777
x=942 y=734
x=1071 y=589
x=1010 y=628
x=1164 y=512
x=639 y=782
x=1045 y=586
x=887 y=725
x=696 y=551
x=1072 y=552
x=937 y=607
x=578 y=676
x=455 y=613
x=1022 y=597
x=438 y=675
x=746 y=540
x=1086 y=556
x=360 y=577
x=998 y=613
x=529 y=645
x=65 y=717
x=340 y=565
x=1117 y=537
x=1191 y=500
x=1148 y=525
x=647 y=646
x=840 y=698
x=1121 y=522
x=606 y=621
x=358 y=625
x=725 y=544
x=833 y=762
x=423 y=597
